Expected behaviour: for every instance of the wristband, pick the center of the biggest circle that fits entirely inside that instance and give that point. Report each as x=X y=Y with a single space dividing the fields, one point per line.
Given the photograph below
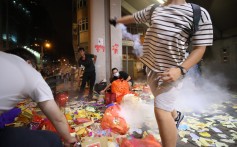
x=182 y=69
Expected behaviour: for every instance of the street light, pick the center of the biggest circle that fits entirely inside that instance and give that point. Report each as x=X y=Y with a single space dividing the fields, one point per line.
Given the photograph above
x=46 y=45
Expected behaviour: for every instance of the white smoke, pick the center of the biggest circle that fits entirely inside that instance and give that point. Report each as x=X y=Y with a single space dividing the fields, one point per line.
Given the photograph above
x=137 y=113
x=199 y=93
x=138 y=48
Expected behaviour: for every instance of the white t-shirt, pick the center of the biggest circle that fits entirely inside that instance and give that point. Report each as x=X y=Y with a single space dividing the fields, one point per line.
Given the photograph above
x=18 y=81
x=165 y=42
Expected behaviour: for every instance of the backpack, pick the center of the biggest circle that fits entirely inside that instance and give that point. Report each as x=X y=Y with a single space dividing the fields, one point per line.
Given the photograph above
x=196 y=17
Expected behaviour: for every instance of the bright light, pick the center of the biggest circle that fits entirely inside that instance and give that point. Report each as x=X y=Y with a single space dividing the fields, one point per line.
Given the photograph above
x=4 y=36
x=37 y=54
x=161 y=1
x=48 y=45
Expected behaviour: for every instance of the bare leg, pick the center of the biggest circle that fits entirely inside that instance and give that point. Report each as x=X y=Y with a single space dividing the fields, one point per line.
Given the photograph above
x=167 y=128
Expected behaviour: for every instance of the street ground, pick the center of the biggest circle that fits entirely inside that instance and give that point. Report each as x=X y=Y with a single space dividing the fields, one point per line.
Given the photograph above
x=213 y=127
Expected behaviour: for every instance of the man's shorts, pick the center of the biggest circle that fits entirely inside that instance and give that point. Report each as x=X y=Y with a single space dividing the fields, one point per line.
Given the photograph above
x=165 y=93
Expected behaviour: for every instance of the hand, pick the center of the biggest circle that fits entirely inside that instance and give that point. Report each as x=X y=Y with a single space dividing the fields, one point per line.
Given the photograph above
x=102 y=91
x=113 y=21
x=171 y=74
x=71 y=142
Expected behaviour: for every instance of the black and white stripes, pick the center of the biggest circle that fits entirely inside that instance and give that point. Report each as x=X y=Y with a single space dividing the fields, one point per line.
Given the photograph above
x=166 y=39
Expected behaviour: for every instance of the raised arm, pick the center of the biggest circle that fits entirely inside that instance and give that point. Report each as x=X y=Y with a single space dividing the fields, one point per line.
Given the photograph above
x=124 y=20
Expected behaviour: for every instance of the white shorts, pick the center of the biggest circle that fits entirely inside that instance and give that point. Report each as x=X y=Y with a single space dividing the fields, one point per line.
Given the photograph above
x=164 y=93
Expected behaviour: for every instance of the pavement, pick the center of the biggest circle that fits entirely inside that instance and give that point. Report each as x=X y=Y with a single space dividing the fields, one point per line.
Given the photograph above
x=215 y=127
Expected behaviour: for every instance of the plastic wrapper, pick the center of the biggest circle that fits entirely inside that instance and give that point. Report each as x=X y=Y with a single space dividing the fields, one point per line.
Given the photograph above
x=34 y=126
x=81 y=120
x=120 y=88
x=9 y=116
x=37 y=118
x=148 y=141
x=113 y=121
x=47 y=125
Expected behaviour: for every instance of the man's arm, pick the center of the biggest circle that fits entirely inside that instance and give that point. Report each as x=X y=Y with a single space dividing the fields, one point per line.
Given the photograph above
x=195 y=56
x=51 y=110
x=103 y=91
x=174 y=73
x=129 y=78
x=95 y=57
x=126 y=19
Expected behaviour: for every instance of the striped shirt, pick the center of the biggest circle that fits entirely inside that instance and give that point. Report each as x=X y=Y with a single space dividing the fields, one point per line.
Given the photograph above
x=166 y=39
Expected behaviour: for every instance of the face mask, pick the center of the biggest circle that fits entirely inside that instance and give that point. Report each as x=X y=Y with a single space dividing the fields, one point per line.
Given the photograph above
x=116 y=74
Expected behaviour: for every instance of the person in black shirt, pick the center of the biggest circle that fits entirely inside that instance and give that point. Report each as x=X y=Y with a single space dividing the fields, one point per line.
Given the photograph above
x=118 y=75
x=87 y=60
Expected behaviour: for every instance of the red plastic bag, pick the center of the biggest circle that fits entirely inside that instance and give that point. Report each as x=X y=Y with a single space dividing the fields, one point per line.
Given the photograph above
x=61 y=98
x=112 y=120
x=148 y=141
x=110 y=98
x=120 y=88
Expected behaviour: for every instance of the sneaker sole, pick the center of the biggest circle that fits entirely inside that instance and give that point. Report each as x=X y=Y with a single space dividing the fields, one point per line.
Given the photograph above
x=178 y=122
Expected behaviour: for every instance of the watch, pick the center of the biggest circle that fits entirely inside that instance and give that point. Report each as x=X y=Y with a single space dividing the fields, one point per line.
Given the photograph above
x=183 y=70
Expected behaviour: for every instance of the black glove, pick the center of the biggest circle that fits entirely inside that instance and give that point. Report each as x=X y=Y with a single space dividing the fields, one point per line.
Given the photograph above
x=113 y=21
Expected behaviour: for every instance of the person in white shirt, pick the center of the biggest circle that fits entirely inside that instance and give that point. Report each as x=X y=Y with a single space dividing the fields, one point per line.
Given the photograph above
x=18 y=81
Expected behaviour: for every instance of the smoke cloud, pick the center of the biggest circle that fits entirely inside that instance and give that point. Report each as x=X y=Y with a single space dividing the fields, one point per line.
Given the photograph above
x=198 y=92
x=138 y=48
x=138 y=113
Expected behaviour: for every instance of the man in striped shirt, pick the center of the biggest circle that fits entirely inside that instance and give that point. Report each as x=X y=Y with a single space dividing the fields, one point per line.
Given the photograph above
x=164 y=49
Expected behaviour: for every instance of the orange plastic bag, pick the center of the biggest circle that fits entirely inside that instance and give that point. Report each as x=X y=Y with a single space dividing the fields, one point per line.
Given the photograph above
x=112 y=120
x=120 y=88
x=148 y=141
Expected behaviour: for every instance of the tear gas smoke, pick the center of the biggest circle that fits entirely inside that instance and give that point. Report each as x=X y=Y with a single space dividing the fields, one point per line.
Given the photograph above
x=137 y=113
x=138 y=48
x=198 y=93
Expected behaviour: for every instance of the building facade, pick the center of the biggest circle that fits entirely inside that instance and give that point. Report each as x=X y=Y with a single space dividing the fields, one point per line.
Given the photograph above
x=92 y=31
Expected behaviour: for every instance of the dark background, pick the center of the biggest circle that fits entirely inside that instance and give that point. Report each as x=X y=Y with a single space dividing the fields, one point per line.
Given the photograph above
x=58 y=26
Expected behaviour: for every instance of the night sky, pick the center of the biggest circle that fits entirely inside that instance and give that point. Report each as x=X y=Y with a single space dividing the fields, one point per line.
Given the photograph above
x=60 y=15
